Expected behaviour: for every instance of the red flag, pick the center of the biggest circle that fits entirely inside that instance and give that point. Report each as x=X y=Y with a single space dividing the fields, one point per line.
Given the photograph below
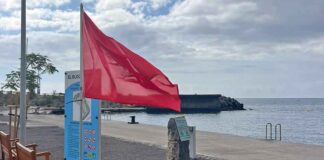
x=113 y=72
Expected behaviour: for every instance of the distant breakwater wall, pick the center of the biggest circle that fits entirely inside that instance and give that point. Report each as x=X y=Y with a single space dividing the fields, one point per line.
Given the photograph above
x=210 y=103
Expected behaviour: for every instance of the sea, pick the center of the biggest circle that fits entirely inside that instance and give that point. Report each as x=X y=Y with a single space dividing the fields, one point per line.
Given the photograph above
x=301 y=119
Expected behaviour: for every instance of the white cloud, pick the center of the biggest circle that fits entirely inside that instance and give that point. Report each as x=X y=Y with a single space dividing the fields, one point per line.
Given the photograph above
x=62 y=48
x=187 y=30
x=43 y=19
x=88 y=1
x=104 y=5
x=37 y=13
x=315 y=46
x=67 y=20
x=9 y=5
x=156 y=4
x=9 y=23
x=46 y=3
x=138 y=8
x=10 y=49
x=114 y=18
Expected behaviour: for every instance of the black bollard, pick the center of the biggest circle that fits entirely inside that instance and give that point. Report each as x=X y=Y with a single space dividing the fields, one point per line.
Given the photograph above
x=133 y=121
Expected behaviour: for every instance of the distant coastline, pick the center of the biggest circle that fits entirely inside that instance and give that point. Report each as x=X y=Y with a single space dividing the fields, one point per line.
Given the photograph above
x=190 y=103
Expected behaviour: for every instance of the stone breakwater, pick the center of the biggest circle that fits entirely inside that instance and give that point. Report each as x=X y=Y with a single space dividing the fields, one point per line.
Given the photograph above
x=203 y=104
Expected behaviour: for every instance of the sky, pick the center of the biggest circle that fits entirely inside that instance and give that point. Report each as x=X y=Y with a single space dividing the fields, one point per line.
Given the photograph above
x=249 y=49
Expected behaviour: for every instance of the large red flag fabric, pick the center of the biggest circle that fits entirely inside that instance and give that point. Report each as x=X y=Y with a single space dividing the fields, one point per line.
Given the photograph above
x=113 y=72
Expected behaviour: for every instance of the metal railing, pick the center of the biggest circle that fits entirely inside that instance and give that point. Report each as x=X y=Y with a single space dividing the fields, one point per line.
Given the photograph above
x=268 y=135
x=270 y=128
x=278 y=126
x=106 y=115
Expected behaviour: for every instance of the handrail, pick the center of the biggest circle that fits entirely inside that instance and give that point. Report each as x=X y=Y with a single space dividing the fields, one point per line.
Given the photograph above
x=268 y=135
x=278 y=126
x=107 y=115
x=270 y=126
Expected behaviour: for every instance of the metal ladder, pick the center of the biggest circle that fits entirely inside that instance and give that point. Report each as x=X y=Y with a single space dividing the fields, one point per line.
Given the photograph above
x=278 y=126
x=277 y=131
x=107 y=115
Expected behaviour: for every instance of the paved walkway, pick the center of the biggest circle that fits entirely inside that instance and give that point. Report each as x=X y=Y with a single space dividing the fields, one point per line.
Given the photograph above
x=220 y=146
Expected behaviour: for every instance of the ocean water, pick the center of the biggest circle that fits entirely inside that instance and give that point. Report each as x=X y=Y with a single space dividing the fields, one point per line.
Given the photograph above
x=302 y=119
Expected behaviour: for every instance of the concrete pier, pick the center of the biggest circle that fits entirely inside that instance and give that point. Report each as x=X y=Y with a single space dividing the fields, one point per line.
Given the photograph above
x=219 y=146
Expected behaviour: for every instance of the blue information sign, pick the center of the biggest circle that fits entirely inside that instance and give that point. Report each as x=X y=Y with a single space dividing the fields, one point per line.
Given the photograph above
x=91 y=122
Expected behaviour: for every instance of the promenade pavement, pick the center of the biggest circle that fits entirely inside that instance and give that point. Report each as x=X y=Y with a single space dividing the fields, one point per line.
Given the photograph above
x=220 y=146
x=51 y=138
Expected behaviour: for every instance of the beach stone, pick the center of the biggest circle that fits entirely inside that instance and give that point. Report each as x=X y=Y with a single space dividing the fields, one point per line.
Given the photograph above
x=177 y=150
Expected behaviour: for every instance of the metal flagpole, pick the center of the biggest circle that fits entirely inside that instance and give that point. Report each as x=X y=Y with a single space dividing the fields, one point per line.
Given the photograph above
x=81 y=81
x=22 y=135
x=26 y=69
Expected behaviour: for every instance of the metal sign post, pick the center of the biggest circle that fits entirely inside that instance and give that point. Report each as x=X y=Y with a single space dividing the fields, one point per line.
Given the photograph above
x=22 y=113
